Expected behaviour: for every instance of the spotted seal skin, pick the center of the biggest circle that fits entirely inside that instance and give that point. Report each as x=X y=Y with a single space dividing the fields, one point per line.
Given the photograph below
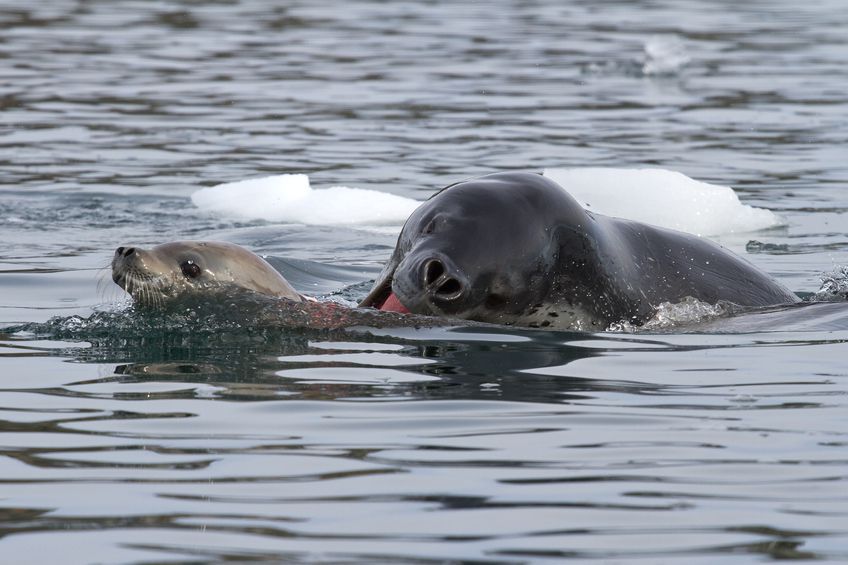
x=516 y=248
x=172 y=270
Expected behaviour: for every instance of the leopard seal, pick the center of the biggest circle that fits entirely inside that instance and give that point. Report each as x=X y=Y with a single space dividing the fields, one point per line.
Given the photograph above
x=173 y=270
x=515 y=248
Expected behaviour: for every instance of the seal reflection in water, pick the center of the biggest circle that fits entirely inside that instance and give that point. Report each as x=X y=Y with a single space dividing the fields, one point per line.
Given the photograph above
x=188 y=268
x=516 y=248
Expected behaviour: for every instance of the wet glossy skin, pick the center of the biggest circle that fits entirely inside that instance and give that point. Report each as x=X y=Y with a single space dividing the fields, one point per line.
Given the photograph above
x=516 y=248
x=179 y=268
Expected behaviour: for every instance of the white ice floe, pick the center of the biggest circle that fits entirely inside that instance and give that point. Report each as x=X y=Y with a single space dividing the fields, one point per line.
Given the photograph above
x=290 y=199
x=663 y=198
x=654 y=196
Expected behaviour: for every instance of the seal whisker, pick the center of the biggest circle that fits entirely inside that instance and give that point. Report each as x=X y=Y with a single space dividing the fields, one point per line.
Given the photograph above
x=106 y=291
x=156 y=297
x=102 y=287
x=129 y=285
x=148 y=294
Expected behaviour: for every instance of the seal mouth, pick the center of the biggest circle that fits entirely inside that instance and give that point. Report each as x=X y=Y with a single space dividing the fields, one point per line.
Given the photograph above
x=393 y=304
x=386 y=300
x=145 y=290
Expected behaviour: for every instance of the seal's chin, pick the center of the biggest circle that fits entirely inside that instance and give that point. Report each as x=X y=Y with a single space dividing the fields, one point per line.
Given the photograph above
x=145 y=290
x=392 y=304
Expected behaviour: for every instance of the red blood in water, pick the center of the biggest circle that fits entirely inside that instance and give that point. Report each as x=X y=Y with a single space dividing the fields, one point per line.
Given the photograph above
x=392 y=304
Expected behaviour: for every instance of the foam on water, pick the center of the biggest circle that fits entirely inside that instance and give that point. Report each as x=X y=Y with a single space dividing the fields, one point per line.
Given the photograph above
x=664 y=56
x=663 y=198
x=655 y=196
x=290 y=199
x=834 y=286
x=670 y=315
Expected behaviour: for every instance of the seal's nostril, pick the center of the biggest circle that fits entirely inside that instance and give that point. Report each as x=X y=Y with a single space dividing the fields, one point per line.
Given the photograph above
x=449 y=289
x=119 y=251
x=433 y=270
x=129 y=251
x=438 y=281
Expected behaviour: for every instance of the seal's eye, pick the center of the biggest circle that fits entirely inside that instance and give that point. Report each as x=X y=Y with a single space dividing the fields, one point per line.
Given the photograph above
x=430 y=227
x=190 y=269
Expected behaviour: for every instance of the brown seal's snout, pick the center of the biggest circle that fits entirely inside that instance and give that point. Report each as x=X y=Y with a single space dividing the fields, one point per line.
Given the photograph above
x=119 y=264
x=124 y=252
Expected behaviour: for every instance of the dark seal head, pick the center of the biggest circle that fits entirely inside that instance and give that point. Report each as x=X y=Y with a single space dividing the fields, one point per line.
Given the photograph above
x=516 y=248
x=185 y=268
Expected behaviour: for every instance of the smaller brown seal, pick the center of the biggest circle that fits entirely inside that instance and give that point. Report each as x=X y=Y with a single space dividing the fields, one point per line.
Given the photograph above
x=192 y=272
x=185 y=268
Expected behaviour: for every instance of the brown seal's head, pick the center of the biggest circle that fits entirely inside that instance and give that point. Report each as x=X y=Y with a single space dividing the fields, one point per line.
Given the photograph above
x=185 y=268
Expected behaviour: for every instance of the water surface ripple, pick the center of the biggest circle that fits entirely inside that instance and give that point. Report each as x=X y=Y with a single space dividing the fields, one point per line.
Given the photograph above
x=461 y=445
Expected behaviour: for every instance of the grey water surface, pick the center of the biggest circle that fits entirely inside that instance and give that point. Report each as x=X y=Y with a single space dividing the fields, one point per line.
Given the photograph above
x=458 y=445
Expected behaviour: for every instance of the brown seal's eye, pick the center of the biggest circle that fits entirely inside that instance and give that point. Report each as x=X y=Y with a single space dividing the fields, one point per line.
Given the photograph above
x=190 y=269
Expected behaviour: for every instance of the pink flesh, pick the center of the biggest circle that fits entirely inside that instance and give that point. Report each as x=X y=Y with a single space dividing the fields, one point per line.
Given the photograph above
x=392 y=304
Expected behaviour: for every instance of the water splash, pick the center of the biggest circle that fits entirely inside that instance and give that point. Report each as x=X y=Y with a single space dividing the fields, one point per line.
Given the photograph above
x=664 y=55
x=673 y=315
x=834 y=286
x=214 y=315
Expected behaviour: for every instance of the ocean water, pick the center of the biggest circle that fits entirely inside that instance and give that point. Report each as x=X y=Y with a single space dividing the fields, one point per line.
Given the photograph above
x=143 y=444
